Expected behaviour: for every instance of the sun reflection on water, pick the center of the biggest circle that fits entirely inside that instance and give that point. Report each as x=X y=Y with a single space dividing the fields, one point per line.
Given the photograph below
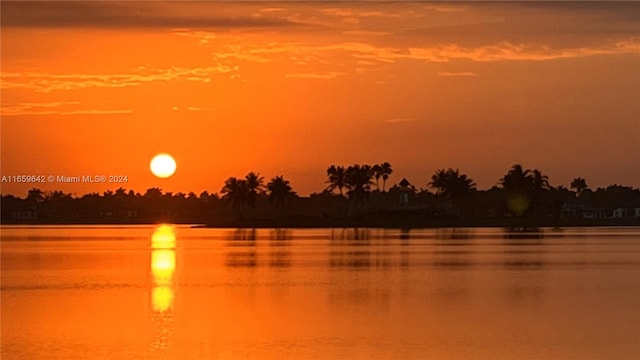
x=163 y=237
x=163 y=266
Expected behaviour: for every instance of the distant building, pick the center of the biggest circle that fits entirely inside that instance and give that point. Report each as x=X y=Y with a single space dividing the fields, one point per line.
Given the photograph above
x=127 y=213
x=24 y=215
x=405 y=189
x=626 y=213
x=585 y=212
x=595 y=213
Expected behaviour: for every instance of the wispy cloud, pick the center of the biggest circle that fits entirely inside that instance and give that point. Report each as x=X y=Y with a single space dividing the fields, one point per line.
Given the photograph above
x=195 y=108
x=187 y=108
x=97 y=112
x=363 y=13
x=446 y=52
x=445 y=8
x=45 y=82
x=129 y=14
x=365 y=33
x=272 y=9
x=505 y=51
x=55 y=108
x=316 y=75
x=463 y=74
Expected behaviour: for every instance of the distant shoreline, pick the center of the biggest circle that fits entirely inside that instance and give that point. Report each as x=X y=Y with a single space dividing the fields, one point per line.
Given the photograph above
x=303 y=222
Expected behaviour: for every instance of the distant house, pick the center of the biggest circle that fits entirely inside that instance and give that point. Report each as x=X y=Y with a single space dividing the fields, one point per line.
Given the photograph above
x=626 y=213
x=24 y=215
x=572 y=210
x=595 y=213
x=585 y=212
x=405 y=189
x=127 y=213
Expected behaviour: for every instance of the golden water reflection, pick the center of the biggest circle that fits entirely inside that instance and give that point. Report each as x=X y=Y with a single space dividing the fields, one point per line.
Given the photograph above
x=163 y=266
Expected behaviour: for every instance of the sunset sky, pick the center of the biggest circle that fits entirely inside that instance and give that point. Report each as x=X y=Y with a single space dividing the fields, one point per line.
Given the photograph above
x=97 y=88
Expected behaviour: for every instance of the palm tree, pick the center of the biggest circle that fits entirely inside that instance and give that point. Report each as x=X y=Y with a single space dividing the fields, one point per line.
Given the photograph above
x=519 y=185
x=358 y=182
x=279 y=191
x=120 y=192
x=450 y=183
x=377 y=173
x=540 y=186
x=386 y=171
x=539 y=181
x=35 y=196
x=255 y=186
x=153 y=193
x=579 y=184
x=235 y=192
x=517 y=180
x=337 y=178
x=204 y=196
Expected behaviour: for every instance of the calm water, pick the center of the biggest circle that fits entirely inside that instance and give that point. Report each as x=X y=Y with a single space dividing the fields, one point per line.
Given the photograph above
x=181 y=293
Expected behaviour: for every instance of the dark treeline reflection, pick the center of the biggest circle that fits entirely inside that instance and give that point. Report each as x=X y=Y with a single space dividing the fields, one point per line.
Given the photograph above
x=524 y=248
x=352 y=234
x=351 y=250
x=246 y=248
x=459 y=249
x=524 y=233
x=243 y=245
x=454 y=233
x=280 y=248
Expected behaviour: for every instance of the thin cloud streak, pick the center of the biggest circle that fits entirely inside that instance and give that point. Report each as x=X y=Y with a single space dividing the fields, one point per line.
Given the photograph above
x=315 y=75
x=125 y=14
x=352 y=13
x=55 y=108
x=455 y=74
x=45 y=82
x=446 y=52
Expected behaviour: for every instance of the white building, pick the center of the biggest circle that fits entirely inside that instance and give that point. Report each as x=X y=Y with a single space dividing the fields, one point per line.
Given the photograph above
x=626 y=213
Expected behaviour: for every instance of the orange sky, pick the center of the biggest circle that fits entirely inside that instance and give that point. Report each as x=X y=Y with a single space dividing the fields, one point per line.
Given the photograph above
x=290 y=88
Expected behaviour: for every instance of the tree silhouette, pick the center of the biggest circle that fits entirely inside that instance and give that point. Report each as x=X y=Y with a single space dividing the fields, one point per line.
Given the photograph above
x=519 y=186
x=517 y=180
x=450 y=183
x=279 y=191
x=337 y=178
x=153 y=193
x=204 y=196
x=358 y=181
x=579 y=185
x=524 y=191
x=539 y=181
x=35 y=196
x=377 y=173
x=386 y=172
x=235 y=191
x=255 y=186
x=243 y=192
x=539 y=187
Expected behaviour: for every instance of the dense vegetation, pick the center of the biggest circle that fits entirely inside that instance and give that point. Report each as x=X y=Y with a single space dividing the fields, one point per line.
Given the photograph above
x=353 y=192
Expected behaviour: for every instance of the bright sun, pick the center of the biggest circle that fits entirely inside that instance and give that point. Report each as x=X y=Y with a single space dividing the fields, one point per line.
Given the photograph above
x=163 y=165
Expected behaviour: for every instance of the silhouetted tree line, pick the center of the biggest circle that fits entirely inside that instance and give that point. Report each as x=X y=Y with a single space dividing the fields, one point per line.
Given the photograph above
x=353 y=191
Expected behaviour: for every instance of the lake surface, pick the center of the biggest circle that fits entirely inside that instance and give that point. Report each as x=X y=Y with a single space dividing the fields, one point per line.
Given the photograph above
x=164 y=292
